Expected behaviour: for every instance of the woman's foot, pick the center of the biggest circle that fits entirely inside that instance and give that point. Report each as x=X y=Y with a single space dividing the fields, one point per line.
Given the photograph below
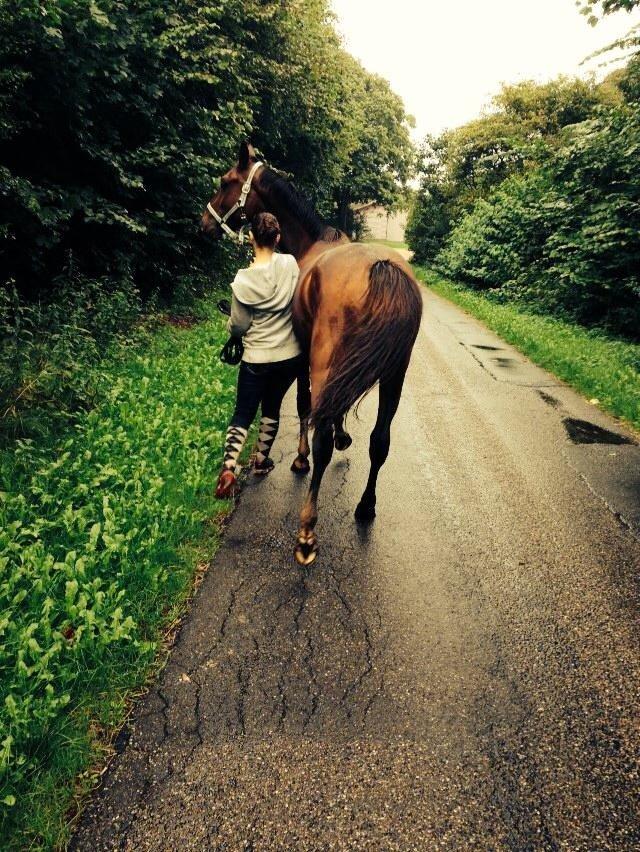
x=226 y=486
x=264 y=466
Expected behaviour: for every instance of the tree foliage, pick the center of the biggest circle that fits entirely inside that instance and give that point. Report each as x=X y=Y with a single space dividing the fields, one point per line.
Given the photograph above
x=563 y=237
x=379 y=162
x=115 y=116
x=462 y=166
x=540 y=200
x=605 y=7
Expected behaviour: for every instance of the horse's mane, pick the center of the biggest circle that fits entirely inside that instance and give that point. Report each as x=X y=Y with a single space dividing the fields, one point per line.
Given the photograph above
x=286 y=194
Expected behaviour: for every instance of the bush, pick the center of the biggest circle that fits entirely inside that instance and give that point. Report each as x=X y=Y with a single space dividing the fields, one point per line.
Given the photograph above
x=51 y=350
x=429 y=223
x=109 y=136
x=563 y=237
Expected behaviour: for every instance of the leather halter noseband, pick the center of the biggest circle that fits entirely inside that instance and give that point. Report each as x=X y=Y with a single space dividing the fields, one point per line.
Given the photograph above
x=239 y=205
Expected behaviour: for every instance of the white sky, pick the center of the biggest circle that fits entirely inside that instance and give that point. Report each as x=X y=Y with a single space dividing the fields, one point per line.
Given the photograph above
x=446 y=58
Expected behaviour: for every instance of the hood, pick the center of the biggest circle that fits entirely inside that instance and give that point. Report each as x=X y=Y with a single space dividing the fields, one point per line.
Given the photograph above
x=270 y=287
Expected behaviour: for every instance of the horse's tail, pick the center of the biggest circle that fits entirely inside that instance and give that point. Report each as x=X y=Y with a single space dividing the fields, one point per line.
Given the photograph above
x=376 y=342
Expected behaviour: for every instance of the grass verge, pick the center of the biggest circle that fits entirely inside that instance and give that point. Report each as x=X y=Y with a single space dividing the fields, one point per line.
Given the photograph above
x=102 y=529
x=599 y=366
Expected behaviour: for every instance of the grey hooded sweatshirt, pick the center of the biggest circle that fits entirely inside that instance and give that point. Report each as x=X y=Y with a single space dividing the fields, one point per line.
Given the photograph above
x=261 y=310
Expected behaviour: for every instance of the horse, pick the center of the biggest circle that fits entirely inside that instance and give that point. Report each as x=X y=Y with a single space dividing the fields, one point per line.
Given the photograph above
x=357 y=311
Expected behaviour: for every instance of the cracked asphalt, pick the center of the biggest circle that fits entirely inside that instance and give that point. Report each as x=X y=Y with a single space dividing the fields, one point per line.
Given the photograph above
x=460 y=674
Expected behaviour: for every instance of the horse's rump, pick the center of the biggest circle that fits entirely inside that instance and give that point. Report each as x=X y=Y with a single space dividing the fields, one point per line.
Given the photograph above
x=376 y=341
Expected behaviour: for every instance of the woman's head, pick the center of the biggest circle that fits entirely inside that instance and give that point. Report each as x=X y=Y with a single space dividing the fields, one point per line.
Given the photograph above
x=266 y=230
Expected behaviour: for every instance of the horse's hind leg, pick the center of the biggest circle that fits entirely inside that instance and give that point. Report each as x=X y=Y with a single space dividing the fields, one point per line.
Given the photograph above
x=303 y=402
x=389 y=399
x=307 y=546
x=341 y=438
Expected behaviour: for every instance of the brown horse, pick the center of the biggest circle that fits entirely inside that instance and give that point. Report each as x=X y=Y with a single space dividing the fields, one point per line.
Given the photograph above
x=357 y=312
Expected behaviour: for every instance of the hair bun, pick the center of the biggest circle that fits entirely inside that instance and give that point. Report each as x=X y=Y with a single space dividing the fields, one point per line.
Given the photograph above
x=265 y=229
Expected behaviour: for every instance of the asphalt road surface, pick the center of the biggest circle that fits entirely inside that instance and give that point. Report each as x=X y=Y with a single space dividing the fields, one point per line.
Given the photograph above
x=461 y=674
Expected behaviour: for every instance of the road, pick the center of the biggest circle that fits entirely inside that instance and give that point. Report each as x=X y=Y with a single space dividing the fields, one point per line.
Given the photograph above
x=461 y=674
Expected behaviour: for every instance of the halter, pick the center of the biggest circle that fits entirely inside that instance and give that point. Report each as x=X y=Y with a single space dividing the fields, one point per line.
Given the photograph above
x=239 y=205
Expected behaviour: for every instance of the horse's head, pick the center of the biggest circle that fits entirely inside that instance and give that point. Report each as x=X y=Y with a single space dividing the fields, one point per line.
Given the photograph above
x=235 y=201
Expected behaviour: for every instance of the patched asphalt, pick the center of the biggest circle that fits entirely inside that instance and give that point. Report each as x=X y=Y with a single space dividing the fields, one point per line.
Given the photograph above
x=460 y=674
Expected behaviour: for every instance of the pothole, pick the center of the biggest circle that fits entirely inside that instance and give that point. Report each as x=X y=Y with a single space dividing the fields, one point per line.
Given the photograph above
x=550 y=400
x=583 y=432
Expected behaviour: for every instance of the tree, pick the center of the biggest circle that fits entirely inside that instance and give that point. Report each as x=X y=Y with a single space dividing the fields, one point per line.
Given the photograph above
x=381 y=156
x=115 y=116
x=563 y=235
x=110 y=132
x=605 y=7
x=433 y=208
x=464 y=165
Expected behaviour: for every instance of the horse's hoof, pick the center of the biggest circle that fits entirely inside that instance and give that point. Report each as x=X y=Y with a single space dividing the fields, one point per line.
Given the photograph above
x=365 y=512
x=306 y=549
x=301 y=465
x=342 y=441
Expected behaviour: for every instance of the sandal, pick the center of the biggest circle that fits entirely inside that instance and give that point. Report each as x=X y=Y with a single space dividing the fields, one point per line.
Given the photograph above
x=264 y=466
x=226 y=486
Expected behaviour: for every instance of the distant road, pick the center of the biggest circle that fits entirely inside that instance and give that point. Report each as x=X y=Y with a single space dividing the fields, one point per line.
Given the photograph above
x=405 y=252
x=462 y=674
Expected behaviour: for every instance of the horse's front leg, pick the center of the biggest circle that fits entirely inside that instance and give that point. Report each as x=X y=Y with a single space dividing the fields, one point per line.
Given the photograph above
x=307 y=547
x=303 y=401
x=379 y=443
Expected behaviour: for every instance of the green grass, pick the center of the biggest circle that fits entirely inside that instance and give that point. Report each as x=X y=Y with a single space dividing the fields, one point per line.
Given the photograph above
x=102 y=529
x=390 y=244
x=599 y=366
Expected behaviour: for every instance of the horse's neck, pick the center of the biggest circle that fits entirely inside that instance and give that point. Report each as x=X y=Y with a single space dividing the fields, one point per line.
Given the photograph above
x=295 y=239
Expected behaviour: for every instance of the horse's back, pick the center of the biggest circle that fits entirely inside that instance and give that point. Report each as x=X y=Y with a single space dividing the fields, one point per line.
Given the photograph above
x=338 y=278
x=332 y=293
x=348 y=265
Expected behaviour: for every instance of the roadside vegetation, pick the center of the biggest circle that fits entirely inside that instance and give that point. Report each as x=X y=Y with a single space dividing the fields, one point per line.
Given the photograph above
x=538 y=202
x=102 y=528
x=601 y=367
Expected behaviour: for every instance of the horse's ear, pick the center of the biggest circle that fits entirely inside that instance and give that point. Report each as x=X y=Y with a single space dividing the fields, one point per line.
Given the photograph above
x=245 y=155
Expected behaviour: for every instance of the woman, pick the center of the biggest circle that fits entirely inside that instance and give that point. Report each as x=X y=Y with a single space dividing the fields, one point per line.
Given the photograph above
x=261 y=315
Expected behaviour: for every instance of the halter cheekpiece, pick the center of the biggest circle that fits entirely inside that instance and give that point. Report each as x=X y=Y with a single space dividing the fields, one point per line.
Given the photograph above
x=239 y=205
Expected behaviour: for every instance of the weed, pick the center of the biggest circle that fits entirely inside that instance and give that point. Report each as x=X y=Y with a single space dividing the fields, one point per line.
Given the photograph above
x=98 y=547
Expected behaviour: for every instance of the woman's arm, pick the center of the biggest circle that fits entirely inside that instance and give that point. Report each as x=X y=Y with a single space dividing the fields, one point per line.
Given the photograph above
x=240 y=319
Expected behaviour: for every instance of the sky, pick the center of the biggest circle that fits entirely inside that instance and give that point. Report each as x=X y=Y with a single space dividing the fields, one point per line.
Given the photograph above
x=446 y=58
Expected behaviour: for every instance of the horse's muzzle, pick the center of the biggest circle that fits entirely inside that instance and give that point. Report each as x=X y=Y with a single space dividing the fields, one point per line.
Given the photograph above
x=210 y=227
